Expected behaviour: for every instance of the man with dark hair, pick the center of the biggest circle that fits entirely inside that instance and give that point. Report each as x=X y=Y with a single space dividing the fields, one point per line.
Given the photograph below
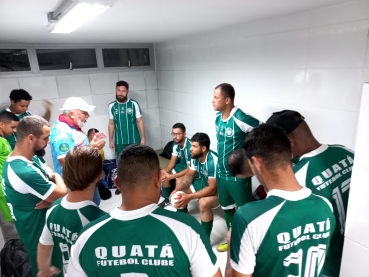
x=147 y=240
x=19 y=102
x=26 y=181
x=82 y=173
x=126 y=125
x=288 y=233
x=179 y=161
x=326 y=170
x=232 y=127
x=201 y=175
x=8 y=125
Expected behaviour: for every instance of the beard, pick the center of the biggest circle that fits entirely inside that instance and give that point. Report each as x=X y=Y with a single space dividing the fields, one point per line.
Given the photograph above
x=196 y=156
x=121 y=99
x=39 y=152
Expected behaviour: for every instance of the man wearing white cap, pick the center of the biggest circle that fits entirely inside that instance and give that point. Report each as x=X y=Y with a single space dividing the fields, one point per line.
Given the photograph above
x=67 y=133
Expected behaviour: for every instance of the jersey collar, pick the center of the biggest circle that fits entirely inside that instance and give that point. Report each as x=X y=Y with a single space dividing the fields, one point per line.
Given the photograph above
x=70 y=124
x=130 y=215
x=124 y=102
x=75 y=205
x=230 y=115
x=290 y=195
x=8 y=110
x=315 y=152
x=13 y=158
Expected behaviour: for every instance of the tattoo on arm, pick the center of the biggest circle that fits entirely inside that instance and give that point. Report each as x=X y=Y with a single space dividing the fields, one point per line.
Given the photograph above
x=186 y=182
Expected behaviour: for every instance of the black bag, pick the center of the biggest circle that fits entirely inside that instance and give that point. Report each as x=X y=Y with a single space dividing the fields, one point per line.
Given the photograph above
x=110 y=170
x=167 y=151
x=14 y=260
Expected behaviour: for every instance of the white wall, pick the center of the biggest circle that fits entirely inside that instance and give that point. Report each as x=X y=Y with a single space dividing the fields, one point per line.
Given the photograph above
x=97 y=89
x=313 y=62
x=356 y=247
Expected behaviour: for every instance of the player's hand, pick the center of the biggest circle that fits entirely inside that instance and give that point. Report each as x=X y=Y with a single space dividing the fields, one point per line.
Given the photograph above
x=111 y=145
x=183 y=201
x=42 y=205
x=54 y=176
x=173 y=192
x=143 y=141
x=164 y=175
x=52 y=271
x=47 y=105
x=99 y=144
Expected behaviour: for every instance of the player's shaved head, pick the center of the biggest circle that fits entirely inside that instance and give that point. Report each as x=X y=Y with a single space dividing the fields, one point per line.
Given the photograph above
x=238 y=164
x=137 y=166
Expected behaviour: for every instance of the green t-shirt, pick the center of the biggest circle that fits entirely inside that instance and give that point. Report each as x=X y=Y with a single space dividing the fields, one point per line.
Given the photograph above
x=125 y=121
x=183 y=155
x=12 y=139
x=5 y=150
x=149 y=241
x=287 y=234
x=207 y=169
x=64 y=221
x=230 y=135
x=327 y=172
x=25 y=184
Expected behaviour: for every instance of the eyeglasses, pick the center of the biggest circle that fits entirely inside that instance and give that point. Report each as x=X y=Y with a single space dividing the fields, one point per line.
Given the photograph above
x=176 y=134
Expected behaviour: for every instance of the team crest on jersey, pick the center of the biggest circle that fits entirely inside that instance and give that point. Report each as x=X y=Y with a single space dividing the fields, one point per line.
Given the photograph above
x=229 y=132
x=64 y=147
x=129 y=110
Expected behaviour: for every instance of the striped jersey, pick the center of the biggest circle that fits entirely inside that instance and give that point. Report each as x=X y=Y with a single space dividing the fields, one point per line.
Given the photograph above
x=327 y=172
x=12 y=139
x=149 y=241
x=207 y=169
x=231 y=133
x=125 y=121
x=286 y=234
x=64 y=221
x=183 y=154
x=25 y=184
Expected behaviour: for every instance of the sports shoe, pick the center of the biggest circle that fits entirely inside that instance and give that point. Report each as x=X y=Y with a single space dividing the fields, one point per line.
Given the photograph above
x=223 y=247
x=117 y=192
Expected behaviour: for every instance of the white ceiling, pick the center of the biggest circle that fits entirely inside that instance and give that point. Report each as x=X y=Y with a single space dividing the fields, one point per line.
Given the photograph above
x=129 y=21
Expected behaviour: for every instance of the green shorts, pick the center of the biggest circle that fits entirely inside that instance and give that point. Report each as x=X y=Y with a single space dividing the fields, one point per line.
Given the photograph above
x=198 y=184
x=234 y=193
x=179 y=167
x=119 y=148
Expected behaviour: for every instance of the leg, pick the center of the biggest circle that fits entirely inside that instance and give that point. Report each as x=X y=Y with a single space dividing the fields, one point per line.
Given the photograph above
x=241 y=191
x=118 y=149
x=226 y=200
x=206 y=214
x=166 y=187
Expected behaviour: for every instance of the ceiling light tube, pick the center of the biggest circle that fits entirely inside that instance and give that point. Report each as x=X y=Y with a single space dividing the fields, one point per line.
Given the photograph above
x=77 y=16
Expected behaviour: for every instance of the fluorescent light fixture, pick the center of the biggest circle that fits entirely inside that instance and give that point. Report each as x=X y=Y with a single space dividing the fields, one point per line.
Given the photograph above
x=77 y=16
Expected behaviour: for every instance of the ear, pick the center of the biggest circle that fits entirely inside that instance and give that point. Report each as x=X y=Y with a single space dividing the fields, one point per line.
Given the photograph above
x=256 y=162
x=204 y=149
x=291 y=141
x=116 y=183
x=12 y=102
x=158 y=179
x=2 y=124
x=228 y=100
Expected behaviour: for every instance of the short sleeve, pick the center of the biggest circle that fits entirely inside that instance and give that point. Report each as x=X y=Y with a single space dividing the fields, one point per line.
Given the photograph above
x=175 y=149
x=46 y=238
x=62 y=145
x=246 y=122
x=74 y=267
x=110 y=112
x=243 y=257
x=137 y=109
x=193 y=165
x=212 y=166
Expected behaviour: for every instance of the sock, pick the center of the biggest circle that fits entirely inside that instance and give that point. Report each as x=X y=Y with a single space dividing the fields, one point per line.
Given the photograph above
x=228 y=216
x=208 y=226
x=185 y=210
x=167 y=191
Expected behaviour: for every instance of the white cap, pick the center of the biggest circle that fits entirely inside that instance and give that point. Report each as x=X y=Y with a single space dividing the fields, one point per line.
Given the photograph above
x=76 y=103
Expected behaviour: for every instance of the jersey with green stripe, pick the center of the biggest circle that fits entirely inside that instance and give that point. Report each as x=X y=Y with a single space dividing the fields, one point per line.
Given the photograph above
x=149 y=241
x=231 y=133
x=327 y=172
x=287 y=234
x=64 y=221
x=12 y=139
x=183 y=154
x=125 y=121
x=207 y=169
x=25 y=184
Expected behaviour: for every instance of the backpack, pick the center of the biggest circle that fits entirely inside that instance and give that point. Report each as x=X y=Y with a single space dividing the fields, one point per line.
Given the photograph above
x=167 y=151
x=110 y=170
x=14 y=260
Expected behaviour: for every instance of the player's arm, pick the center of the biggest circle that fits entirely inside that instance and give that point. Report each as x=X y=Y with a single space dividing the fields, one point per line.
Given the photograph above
x=187 y=180
x=111 y=128
x=171 y=164
x=141 y=128
x=45 y=269
x=60 y=188
x=235 y=273
x=48 y=107
x=179 y=174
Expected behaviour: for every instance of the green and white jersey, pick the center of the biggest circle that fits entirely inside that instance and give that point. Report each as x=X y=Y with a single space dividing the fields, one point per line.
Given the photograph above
x=125 y=121
x=287 y=234
x=207 y=169
x=183 y=154
x=149 y=241
x=25 y=184
x=231 y=133
x=12 y=139
x=327 y=172
x=64 y=221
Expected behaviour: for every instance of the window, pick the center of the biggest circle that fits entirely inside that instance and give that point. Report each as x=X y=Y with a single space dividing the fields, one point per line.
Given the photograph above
x=56 y=59
x=126 y=57
x=14 y=60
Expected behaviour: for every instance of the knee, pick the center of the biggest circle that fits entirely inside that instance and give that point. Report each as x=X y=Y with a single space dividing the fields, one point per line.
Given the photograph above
x=204 y=204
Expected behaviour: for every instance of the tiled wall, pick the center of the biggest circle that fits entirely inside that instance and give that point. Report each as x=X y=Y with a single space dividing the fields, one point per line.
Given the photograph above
x=356 y=248
x=313 y=62
x=98 y=89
